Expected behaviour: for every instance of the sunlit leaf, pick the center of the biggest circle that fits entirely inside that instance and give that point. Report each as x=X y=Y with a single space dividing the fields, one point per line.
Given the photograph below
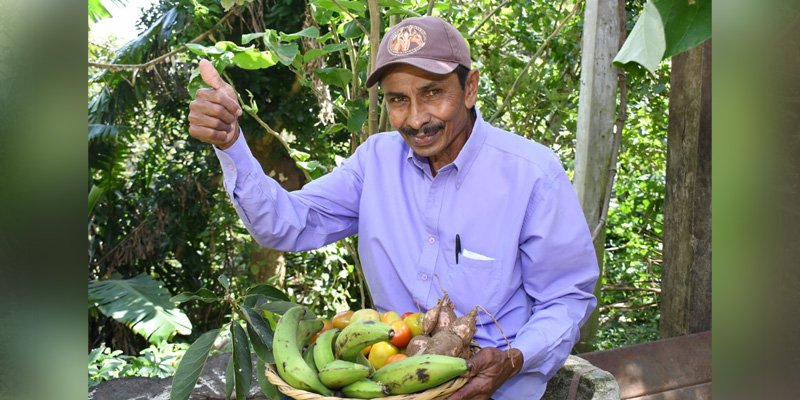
x=142 y=303
x=646 y=43
x=254 y=59
x=224 y=281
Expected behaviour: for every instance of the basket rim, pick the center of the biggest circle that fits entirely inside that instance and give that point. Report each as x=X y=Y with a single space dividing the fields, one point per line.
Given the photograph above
x=299 y=394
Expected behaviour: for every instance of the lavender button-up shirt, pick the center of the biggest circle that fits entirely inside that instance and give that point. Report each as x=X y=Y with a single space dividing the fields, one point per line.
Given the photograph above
x=526 y=252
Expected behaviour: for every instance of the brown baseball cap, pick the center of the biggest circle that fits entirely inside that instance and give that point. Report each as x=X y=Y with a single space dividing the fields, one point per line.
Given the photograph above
x=426 y=42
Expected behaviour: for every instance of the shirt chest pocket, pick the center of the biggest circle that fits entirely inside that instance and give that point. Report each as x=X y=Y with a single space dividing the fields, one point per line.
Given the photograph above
x=473 y=281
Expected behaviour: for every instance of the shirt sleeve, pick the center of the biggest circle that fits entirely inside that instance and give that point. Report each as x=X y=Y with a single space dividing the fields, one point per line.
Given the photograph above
x=322 y=212
x=559 y=268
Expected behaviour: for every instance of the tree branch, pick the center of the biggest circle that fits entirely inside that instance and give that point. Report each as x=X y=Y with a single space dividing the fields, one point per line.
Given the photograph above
x=162 y=58
x=430 y=7
x=486 y=18
x=373 y=121
x=622 y=116
x=539 y=51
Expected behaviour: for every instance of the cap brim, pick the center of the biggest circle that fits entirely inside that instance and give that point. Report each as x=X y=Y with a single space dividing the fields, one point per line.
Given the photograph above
x=427 y=64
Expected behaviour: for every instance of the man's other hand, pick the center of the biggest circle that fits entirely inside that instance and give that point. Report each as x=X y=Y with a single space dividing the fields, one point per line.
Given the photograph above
x=490 y=369
x=213 y=113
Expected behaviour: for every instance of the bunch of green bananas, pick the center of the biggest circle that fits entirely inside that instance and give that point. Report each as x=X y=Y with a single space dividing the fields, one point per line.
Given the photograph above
x=335 y=361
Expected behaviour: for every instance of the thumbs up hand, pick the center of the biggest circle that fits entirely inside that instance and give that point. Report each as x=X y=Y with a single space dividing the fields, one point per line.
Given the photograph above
x=213 y=113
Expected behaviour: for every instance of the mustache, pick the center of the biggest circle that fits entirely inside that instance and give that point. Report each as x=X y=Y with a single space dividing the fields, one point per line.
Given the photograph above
x=427 y=129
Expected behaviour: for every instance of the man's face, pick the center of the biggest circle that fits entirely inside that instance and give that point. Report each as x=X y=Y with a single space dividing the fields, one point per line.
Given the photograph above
x=431 y=111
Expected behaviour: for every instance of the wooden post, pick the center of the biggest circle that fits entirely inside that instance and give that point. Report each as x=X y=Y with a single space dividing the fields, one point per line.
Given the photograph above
x=596 y=114
x=686 y=277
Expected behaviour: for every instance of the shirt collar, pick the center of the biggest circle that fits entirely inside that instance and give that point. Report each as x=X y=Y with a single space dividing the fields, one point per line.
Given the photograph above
x=466 y=157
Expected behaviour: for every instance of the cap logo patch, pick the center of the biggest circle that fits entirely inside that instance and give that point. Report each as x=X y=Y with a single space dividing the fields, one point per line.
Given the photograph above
x=407 y=40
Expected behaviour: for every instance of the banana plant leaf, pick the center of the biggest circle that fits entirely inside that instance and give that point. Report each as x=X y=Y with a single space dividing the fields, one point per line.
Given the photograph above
x=142 y=303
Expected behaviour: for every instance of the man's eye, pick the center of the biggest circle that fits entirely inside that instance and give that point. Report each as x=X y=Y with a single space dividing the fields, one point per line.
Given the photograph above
x=433 y=92
x=396 y=100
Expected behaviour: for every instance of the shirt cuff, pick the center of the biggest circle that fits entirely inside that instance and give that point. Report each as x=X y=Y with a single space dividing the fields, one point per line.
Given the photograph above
x=237 y=162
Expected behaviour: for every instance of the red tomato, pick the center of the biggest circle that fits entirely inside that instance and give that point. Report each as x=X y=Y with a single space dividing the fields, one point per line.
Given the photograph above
x=402 y=334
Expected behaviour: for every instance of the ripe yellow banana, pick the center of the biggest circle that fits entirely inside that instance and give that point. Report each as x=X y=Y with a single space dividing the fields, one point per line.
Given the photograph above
x=288 y=359
x=340 y=373
x=358 y=335
x=420 y=372
x=365 y=389
x=323 y=348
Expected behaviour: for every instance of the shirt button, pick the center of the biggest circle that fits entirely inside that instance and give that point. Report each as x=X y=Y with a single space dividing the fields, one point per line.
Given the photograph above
x=431 y=240
x=423 y=276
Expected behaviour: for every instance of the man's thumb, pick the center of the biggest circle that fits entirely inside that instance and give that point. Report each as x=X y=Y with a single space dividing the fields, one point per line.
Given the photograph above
x=210 y=75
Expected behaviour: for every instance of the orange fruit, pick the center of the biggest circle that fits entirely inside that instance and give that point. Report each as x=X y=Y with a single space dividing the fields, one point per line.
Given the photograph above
x=326 y=325
x=389 y=317
x=391 y=359
x=342 y=319
x=402 y=334
x=365 y=314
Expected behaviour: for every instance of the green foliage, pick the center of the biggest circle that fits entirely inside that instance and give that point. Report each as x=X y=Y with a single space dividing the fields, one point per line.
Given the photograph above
x=666 y=28
x=141 y=303
x=157 y=361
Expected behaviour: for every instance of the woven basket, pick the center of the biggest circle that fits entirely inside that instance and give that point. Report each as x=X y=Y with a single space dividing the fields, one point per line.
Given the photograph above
x=438 y=392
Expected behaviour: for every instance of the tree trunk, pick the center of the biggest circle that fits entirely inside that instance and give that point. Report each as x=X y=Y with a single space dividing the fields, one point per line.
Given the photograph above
x=595 y=136
x=686 y=278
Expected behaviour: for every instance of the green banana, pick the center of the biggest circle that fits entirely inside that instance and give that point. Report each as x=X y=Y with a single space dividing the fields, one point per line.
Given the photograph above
x=365 y=389
x=308 y=357
x=358 y=335
x=306 y=329
x=362 y=359
x=420 y=372
x=323 y=349
x=288 y=359
x=340 y=373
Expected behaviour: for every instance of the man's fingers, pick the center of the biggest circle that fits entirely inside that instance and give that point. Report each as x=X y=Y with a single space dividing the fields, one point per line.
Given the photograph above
x=221 y=99
x=209 y=135
x=212 y=78
x=210 y=75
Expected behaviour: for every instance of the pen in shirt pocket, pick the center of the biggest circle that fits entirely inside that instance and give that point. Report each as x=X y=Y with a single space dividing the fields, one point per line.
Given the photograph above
x=458 y=246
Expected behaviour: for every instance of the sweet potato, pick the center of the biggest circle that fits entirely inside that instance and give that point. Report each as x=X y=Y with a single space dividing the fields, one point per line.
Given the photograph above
x=445 y=343
x=464 y=326
x=439 y=317
x=418 y=345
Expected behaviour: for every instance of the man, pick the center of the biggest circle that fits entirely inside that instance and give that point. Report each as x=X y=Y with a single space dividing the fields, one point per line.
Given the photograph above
x=447 y=202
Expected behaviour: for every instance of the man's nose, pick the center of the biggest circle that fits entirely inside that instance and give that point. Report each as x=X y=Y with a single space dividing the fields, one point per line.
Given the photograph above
x=418 y=116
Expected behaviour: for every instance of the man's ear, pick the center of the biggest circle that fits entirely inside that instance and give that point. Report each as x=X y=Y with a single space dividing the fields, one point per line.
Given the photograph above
x=471 y=88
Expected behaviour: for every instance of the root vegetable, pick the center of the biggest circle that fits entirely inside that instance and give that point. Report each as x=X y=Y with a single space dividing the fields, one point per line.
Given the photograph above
x=418 y=345
x=445 y=343
x=464 y=326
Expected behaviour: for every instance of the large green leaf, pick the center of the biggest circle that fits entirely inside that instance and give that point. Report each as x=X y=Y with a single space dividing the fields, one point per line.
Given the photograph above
x=335 y=76
x=242 y=364
x=142 y=303
x=191 y=366
x=645 y=44
x=686 y=23
x=254 y=59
